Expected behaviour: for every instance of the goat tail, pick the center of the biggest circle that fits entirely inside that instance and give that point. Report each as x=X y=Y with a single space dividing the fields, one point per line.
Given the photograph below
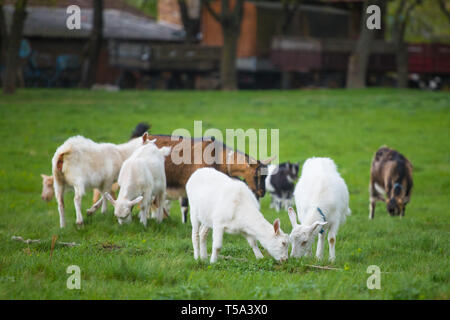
x=140 y=129
x=349 y=212
x=58 y=161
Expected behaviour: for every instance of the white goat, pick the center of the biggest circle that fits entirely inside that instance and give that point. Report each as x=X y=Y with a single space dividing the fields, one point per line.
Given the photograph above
x=82 y=163
x=321 y=197
x=228 y=205
x=142 y=178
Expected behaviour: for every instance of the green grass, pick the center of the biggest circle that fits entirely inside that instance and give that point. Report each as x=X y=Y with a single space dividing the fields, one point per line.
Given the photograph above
x=158 y=263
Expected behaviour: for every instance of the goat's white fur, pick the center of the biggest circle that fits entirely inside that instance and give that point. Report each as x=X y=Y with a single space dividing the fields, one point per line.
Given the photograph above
x=87 y=164
x=228 y=205
x=320 y=186
x=142 y=179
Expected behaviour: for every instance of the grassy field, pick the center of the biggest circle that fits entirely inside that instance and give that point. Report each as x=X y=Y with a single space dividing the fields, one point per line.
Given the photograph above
x=131 y=262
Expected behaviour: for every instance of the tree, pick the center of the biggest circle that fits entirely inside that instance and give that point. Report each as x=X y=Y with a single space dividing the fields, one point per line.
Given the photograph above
x=3 y=35
x=401 y=18
x=359 y=59
x=191 y=24
x=92 y=51
x=11 y=44
x=290 y=8
x=230 y=20
x=444 y=9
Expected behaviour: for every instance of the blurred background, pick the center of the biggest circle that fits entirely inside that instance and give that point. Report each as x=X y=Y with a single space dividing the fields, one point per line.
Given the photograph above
x=224 y=44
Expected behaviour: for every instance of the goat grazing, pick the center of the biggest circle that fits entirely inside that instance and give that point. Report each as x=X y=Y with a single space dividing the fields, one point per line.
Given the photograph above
x=280 y=183
x=321 y=197
x=226 y=160
x=47 y=188
x=141 y=179
x=48 y=192
x=228 y=205
x=177 y=174
x=391 y=181
x=82 y=163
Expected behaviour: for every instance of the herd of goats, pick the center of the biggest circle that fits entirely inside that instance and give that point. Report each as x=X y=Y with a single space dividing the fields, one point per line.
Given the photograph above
x=224 y=194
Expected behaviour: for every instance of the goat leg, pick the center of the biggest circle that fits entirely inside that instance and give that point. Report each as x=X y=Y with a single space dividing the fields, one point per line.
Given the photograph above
x=95 y=206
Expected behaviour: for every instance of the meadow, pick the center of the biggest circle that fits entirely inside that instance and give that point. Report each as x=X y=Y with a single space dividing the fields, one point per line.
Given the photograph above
x=133 y=262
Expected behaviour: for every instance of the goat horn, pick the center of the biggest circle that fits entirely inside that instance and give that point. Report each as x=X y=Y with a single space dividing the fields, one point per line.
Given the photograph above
x=267 y=161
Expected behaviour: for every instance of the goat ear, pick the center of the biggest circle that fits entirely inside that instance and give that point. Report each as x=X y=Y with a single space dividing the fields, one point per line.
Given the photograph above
x=316 y=226
x=276 y=226
x=43 y=176
x=292 y=217
x=136 y=201
x=267 y=161
x=144 y=137
x=110 y=198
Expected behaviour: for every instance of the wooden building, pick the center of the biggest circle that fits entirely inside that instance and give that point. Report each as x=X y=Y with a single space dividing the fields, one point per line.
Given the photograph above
x=137 y=50
x=319 y=40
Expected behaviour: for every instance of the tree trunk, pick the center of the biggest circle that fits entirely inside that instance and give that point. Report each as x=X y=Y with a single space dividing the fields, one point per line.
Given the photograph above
x=191 y=25
x=444 y=9
x=90 y=63
x=286 y=80
x=3 y=35
x=228 y=70
x=402 y=65
x=401 y=20
x=289 y=12
x=12 y=54
x=359 y=59
x=192 y=28
x=230 y=21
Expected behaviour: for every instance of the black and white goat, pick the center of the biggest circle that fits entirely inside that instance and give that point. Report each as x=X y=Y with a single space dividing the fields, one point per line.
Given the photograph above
x=280 y=183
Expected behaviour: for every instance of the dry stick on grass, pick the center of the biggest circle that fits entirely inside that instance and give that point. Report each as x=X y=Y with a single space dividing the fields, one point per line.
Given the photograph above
x=331 y=268
x=28 y=241
x=232 y=258
x=323 y=267
x=54 y=238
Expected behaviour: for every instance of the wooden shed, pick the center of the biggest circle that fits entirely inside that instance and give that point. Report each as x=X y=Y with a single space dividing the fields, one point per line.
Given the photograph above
x=262 y=21
x=49 y=38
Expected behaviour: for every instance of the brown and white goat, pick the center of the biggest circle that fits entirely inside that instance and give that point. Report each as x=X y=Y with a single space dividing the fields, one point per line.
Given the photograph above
x=48 y=192
x=82 y=163
x=391 y=181
x=222 y=158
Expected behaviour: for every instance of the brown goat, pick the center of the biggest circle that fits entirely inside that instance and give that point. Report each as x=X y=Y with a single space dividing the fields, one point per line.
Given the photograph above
x=391 y=181
x=213 y=154
x=240 y=165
